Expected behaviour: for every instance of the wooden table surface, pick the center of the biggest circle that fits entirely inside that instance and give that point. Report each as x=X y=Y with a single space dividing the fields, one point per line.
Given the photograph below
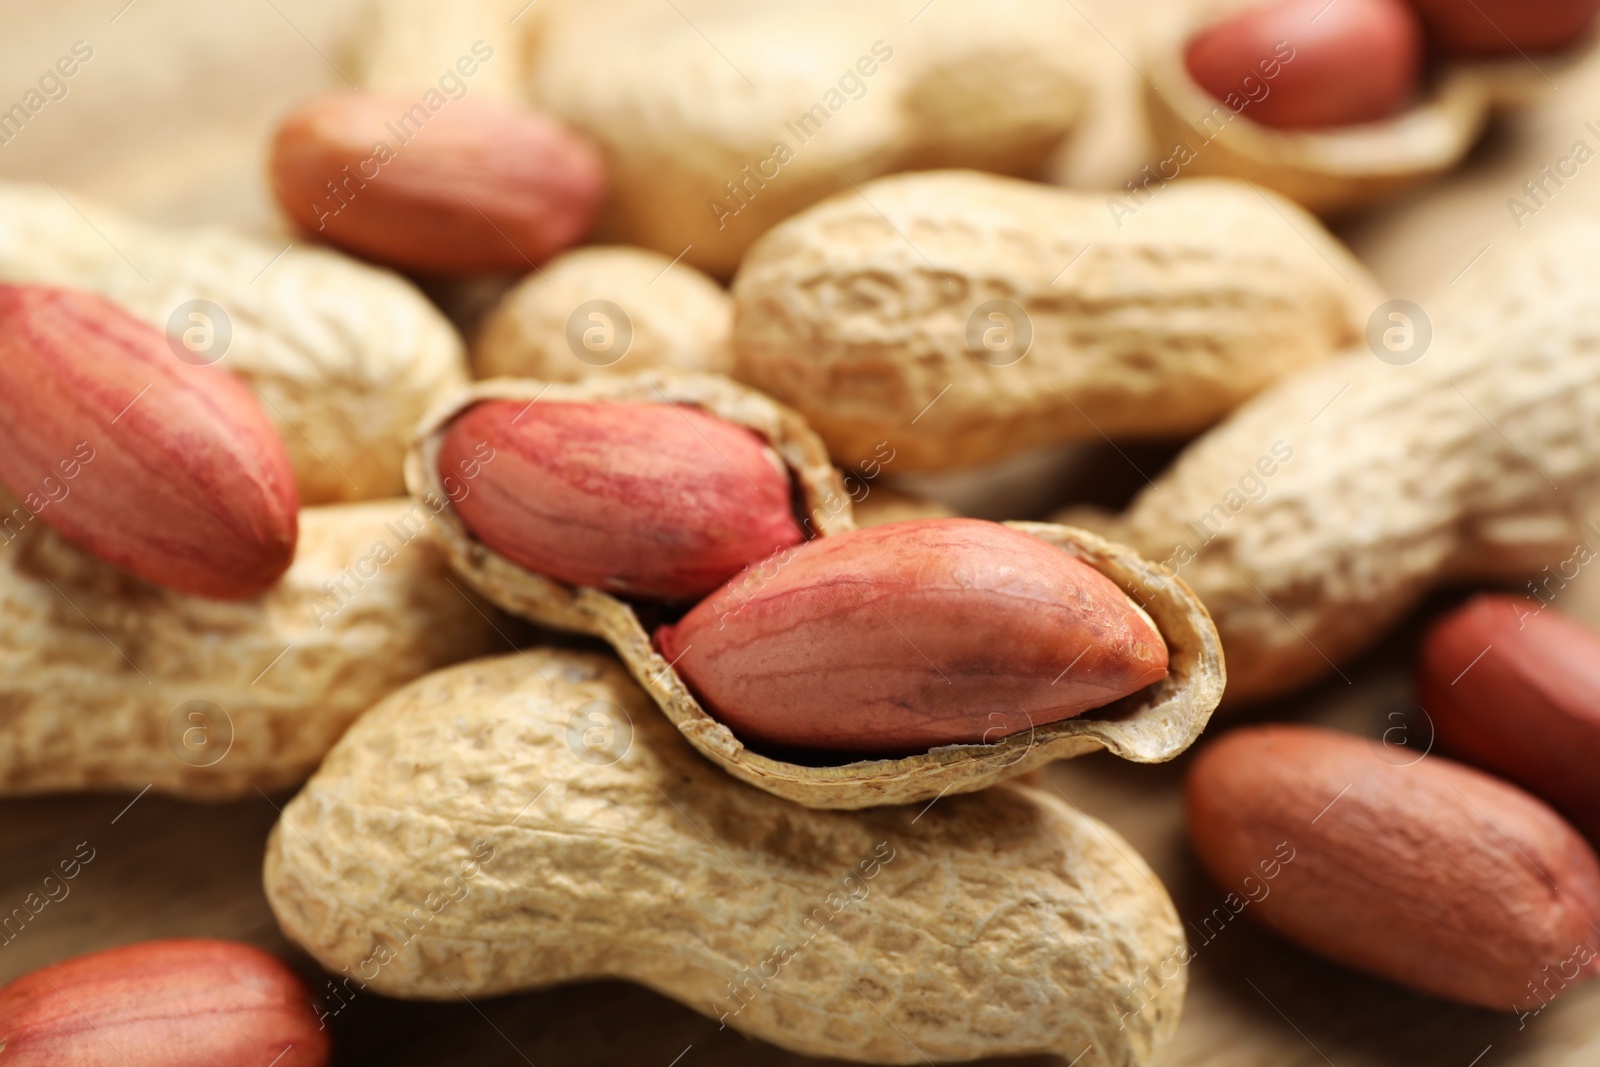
x=169 y=121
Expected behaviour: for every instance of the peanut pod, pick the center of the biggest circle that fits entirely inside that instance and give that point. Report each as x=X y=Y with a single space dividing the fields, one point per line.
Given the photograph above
x=410 y=46
x=1330 y=169
x=1322 y=511
x=112 y=683
x=527 y=821
x=1152 y=725
x=707 y=148
x=606 y=310
x=344 y=357
x=966 y=318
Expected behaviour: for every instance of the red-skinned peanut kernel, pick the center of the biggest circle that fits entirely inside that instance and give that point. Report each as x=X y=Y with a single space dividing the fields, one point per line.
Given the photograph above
x=176 y=475
x=1305 y=64
x=469 y=187
x=162 y=1004
x=1415 y=868
x=1514 y=687
x=653 y=500
x=902 y=637
x=1505 y=27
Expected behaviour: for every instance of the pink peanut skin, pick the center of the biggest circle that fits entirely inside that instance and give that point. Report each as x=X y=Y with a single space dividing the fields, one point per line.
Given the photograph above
x=652 y=500
x=1422 y=871
x=187 y=484
x=899 y=638
x=1330 y=64
x=1515 y=689
x=181 y=1003
x=473 y=187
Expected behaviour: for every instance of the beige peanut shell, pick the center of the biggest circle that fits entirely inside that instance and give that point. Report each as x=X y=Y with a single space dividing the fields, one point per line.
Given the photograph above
x=1475 y=462
x=465 y=838
x=1326 y=170
x=406 y=47
x=877 y=505
x=673 y=317
x=98 y=669
x=871 y=313
x=680 y=120
x=345 y=357
x=1152 y=725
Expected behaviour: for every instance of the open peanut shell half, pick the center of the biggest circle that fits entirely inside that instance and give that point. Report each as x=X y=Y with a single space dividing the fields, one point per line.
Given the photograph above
x=1331 y=169
x=1149 y=726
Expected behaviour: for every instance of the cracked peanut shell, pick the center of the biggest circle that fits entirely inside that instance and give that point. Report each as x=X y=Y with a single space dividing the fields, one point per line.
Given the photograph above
x=1331 y=169
x=1149 y=726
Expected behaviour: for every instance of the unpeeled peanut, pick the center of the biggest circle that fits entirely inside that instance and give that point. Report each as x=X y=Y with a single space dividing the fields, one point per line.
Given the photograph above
x=1002 y=923
x=179 y=1003
x=606 y=310
x=654 y=500
x=1302 y=568
x=966 y=318
x=107 y=683
x=443 y=188
x=906 y=636
x=1423 y=871
x=179 y=477
x=1515 y=689
x=1322 y=64
x=707 y=151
